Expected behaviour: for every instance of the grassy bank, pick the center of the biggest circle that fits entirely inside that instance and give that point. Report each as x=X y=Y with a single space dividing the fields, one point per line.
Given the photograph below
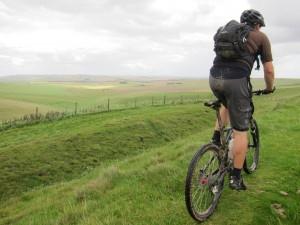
x=52 y=152
x=129 y=167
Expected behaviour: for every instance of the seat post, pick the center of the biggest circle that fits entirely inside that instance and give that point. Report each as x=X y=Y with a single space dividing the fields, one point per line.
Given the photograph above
x=221 y=127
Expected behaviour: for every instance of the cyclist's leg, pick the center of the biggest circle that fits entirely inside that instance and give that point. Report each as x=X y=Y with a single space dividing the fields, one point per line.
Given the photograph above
x=239 y=112
x=224 y=117
x=240 y=145
x=217 y=87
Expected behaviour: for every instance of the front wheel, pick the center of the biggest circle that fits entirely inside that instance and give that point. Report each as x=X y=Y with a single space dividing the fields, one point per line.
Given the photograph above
x=252 y=156
x=204 y=182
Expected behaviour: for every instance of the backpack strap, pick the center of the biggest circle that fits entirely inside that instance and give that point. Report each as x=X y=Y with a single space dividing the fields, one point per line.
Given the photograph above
x=245 y=62
x=250 y=94
x=257 y=63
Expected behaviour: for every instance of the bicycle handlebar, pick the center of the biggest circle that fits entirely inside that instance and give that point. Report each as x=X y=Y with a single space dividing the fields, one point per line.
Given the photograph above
x=216 y=104
x=263 y=92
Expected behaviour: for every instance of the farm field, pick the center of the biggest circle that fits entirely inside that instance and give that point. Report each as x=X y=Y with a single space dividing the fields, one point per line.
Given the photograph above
x=61 y=96
x=20 y=98
x=129 y=166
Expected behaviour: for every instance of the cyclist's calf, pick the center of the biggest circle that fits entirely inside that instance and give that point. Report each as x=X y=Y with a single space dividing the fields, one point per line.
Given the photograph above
x=240 y=145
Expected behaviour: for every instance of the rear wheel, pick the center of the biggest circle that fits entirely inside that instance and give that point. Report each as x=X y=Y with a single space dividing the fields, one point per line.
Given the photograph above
x=252 y=156
x=204 y=182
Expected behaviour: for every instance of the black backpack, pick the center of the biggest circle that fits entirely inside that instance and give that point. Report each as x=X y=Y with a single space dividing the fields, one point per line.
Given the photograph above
x=230 y=41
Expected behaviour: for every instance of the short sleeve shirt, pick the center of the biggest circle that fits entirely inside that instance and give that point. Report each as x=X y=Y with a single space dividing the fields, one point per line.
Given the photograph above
x=258 y=43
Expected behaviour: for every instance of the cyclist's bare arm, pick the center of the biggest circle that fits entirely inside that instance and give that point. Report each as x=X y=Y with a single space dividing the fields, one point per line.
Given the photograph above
x=269 y=75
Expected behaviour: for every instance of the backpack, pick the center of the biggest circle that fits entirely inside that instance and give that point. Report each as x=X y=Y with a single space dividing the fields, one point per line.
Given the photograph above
x=230 y=40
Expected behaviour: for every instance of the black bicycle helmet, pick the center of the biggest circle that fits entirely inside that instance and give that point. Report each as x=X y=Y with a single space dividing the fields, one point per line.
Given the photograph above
x=252 y=17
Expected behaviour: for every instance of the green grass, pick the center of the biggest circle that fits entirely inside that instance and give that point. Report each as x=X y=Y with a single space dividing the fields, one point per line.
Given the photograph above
x=53 y=152
x=19 y=98
x=22 y=98
x=128 y=167
x=11 y=109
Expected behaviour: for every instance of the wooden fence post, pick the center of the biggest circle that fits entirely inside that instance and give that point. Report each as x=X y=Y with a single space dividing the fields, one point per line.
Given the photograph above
x=76 y=105
x=36 y=113
x=152 y=101
x=164 y=100
x=108 y=105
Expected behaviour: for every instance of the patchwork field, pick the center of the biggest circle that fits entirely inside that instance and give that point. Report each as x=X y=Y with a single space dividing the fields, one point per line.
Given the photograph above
x=61 y=96
x=19 y=98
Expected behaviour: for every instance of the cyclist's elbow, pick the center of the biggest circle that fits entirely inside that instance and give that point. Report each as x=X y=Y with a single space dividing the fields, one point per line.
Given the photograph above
x=269 y=70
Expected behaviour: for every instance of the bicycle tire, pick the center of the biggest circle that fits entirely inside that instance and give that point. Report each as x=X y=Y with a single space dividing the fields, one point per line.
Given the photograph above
x=252 y=156
x=211 y=184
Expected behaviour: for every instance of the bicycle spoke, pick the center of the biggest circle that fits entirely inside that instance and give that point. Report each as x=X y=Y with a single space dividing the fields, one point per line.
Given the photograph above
x=198 y=197
x=205 y=199
x=197 y=191
x=202 y=195
x=212 y=158
x=201 y=199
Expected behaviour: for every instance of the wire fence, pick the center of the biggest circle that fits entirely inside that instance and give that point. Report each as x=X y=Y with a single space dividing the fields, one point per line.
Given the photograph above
x=108 y=106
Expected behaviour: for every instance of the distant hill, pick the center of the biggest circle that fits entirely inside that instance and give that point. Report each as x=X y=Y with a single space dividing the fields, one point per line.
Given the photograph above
x=81 y=78
x=58 y=78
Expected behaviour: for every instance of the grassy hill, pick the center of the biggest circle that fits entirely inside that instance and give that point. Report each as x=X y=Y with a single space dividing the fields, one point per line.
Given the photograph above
x=60 y=93
x=19 y=98
x=129 y=167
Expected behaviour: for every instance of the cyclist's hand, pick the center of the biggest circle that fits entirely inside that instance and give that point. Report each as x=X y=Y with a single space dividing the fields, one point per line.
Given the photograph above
x=266 y=91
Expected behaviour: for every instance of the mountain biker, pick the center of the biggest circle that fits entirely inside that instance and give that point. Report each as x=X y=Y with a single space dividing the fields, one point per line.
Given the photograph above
x=230 y=82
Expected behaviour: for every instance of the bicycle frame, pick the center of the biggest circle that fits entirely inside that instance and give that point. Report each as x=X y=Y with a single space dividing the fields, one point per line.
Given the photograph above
x=225 y=133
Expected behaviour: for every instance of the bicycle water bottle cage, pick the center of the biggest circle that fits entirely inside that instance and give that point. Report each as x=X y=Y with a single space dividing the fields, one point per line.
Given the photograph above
x=213 y=104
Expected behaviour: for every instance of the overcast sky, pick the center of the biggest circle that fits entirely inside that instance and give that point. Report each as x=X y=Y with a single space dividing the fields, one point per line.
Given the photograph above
x=134 y=37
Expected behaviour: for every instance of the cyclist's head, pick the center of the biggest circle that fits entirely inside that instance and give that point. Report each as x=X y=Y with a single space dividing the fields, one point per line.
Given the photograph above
x=252 y=17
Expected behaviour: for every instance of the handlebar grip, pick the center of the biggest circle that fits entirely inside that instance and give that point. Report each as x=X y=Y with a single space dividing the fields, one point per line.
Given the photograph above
x=263 y=92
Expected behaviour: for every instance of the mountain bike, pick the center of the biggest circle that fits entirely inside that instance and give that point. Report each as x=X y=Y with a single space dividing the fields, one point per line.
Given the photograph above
x=210 y=164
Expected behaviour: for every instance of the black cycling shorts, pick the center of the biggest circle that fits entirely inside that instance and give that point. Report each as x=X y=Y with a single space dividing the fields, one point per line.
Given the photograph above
x=235 y=96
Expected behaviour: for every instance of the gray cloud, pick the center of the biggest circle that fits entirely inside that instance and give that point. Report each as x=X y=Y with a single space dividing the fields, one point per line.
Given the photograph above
x=283 y=30
x=281 y=19
x=145 y=37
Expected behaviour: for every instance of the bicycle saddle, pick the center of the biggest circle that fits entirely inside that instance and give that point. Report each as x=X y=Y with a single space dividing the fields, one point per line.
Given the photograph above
x=215 y=104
